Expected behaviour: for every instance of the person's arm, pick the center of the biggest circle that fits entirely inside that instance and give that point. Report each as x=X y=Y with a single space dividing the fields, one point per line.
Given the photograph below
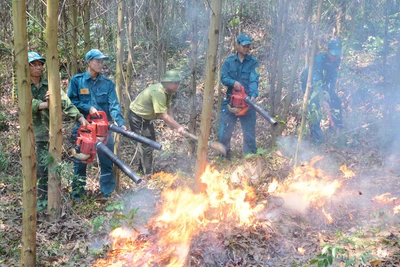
x=171 y=122
x=70 y=110
x=253 y=82
x=114 y=107
x=226 y=79
x=73 y=94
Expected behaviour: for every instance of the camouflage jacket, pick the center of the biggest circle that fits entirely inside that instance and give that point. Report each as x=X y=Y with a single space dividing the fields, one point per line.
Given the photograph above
x=41 y=117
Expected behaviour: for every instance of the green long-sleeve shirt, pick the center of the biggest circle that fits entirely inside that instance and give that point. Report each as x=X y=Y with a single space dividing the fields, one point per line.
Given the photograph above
x=41 y=118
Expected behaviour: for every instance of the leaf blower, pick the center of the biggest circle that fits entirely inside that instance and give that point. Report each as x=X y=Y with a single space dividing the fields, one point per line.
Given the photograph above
x=240 y=102
x=94 y=137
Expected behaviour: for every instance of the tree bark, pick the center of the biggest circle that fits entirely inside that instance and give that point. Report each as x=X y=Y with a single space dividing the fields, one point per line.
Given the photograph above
x=119 y=78
x=309 y=83
x=193 y=66
x=293 y=76
x=74 y=39
x=205 y=124
x=86 y=25
x=29 y=196
x=55 y=125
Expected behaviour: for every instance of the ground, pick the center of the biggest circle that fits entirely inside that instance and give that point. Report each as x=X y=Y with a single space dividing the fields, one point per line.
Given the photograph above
x=357 y=223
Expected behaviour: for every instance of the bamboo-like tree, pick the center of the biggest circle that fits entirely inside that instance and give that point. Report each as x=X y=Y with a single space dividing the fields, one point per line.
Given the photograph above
x=209 y=83
x=29 y=196
x=119 y=76
x=293 y=76
x=86 y=25
x=309 y=84
x=74 y=40
x=55 y=125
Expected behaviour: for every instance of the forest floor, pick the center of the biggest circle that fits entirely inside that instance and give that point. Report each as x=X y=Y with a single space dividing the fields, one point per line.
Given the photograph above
x=340 y=206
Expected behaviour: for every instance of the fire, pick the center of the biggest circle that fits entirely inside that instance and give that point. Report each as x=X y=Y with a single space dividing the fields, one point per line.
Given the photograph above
x=308 y=187
x=396 y=209
x=384 y=199
x=183 y=215
x=347 y=173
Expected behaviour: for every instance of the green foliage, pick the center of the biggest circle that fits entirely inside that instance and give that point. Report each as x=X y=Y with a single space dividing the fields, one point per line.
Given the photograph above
x=3 y=122
x=98 y=222
x=4 y=160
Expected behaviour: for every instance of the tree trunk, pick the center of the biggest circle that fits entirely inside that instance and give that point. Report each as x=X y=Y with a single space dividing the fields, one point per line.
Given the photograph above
x=385 y=43
x=55 y=125
x=74 y=39
x=309 y=83
x=193 y=66
x=212 y=49
x=119 y=77
x=293 y=76
x=130 y=14
x=86 y=25
x=28 y=249
x=281 y=52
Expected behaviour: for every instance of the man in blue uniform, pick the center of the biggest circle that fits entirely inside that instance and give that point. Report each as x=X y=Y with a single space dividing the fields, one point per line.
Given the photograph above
x=324 y=77
x=91 y=92
x=238 y=70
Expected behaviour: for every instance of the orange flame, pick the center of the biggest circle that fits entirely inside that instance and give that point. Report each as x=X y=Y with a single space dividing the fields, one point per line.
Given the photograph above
x=396 y=209
x=347 y=173
x=384 y=199
x=182 y=215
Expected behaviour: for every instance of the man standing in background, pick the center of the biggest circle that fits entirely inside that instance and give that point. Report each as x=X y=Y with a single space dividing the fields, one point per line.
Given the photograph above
x=41 y=118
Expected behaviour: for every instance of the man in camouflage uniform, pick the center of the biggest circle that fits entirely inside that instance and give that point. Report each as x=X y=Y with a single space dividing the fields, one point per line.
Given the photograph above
x=40 y=115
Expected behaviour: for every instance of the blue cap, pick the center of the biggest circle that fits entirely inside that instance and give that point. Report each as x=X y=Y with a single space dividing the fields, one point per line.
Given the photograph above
x=244 y=39
x=335 y=47
x=95 y=54
x=33 y=56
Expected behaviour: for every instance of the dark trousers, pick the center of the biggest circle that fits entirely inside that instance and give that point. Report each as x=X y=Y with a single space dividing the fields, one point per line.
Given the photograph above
x=227 y=126
x=107 y=180
x=144 y=128
x=42 y=172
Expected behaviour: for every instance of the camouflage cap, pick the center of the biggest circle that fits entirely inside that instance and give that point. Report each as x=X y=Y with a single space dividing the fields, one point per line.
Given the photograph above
x=171 y=76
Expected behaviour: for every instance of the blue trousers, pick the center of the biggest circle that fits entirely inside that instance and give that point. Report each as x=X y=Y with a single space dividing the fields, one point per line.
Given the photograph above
x=227 y=126
x=107 y=180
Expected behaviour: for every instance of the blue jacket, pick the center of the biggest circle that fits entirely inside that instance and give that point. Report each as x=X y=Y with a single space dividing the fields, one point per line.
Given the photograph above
x=246 y=72
x=325 y=73
x=85 y=92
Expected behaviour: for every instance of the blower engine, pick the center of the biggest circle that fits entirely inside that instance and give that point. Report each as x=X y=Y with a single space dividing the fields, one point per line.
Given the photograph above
x=94 y=137
x=240 y=102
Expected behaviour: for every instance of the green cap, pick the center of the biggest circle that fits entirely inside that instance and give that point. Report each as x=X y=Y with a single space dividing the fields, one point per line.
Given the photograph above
x=171 y=76
x=244 y=39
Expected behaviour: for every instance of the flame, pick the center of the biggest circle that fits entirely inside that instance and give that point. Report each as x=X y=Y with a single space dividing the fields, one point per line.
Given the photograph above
x=347 y=173
x=183 y=215
x=396 y=209
x=384 y=199
x=328 y=216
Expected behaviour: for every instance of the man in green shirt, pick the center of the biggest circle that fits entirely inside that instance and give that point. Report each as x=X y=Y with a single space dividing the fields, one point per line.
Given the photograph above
x=152 y=103
x=41 y=118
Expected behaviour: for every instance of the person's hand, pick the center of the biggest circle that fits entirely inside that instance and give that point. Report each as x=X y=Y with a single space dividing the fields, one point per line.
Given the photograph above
x=123 y=127
x=83 y=121
x=93 y=111
x=237 y=85
x=47 y=96
x=180 y=130
x=252 y=98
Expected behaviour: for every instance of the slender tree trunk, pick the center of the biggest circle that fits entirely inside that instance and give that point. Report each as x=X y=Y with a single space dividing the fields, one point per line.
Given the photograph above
x=385 y=43
x=309 y=83
x=205 y=125
x=220 y=60
x=130 y=14
x=28 y=249
x=74 y=41
x=193 y=66
x=86 y=25
x=293 y=76
x=281 y=53
x=54 y=190
x=119 y=77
